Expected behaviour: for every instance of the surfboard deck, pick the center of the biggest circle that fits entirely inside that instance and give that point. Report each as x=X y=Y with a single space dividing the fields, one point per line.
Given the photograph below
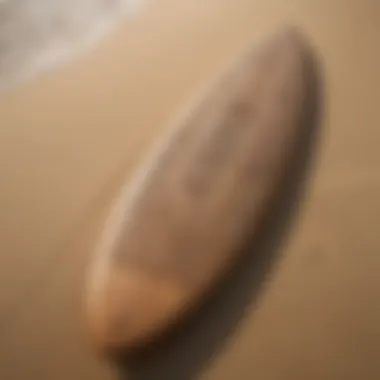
x=183 y=223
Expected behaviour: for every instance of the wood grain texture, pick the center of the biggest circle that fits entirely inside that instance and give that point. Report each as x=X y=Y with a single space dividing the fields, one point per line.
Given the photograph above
x=181 y=227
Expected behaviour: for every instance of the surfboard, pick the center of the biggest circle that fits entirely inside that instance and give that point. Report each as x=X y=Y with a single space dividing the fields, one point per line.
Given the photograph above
x=183 y=222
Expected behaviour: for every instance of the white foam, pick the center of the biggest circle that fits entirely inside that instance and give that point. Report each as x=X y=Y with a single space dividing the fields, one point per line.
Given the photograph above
x=37 y=35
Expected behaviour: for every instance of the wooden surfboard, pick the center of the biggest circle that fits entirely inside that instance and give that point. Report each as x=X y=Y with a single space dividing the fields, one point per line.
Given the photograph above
x=183 y=224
